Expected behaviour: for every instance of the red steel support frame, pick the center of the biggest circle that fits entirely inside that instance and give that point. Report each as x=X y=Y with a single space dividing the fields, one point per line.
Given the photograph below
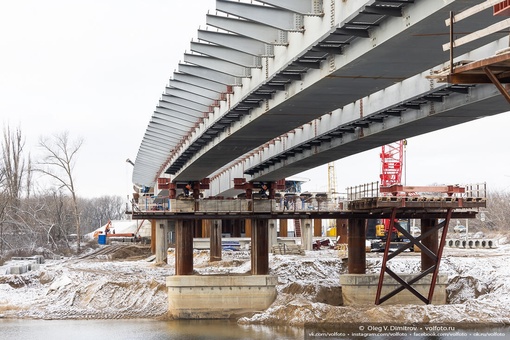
x=436 y=258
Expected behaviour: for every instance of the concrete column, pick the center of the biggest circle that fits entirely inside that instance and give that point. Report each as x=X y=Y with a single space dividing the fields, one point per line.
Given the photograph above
x=153 y=236
x=215 y=240
x=272 y=234
x=431 y=242
x=161 y=241
x=171 y=234
x=283 y=228
x=341 y=230
x=184 y=247
x=259 y=248
x=317 y=227
x=356 y=263
x=306 y=234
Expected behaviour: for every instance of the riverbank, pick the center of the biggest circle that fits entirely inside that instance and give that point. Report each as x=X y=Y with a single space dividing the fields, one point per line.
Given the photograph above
x=119 y=287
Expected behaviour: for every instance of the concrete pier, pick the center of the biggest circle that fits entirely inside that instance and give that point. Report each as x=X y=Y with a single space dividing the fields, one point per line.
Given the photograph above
x=360 y=289
x=218 y=297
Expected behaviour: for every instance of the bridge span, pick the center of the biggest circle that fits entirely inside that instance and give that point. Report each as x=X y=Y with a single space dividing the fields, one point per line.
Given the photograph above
x=276 y=87
x=228 y=100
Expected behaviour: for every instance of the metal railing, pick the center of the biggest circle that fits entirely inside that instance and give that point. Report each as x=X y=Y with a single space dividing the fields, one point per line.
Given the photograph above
x=287 y=203
x=368 y=190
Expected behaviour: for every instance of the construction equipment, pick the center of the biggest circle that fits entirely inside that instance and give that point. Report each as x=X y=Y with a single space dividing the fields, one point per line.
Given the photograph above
x=392 y=166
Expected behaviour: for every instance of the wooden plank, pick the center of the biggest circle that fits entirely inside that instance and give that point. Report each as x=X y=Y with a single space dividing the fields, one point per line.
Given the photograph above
x=472 y=10
x=479 y=34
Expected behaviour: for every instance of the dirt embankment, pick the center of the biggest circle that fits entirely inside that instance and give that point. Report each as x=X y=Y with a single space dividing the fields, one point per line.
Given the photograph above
x=118 y=284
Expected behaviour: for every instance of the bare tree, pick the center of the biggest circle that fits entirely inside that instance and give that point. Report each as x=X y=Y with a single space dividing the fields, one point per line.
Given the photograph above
x=97 y=211
x=13 y=163
x=12 y=172
x=58 y=164
x=497 y=215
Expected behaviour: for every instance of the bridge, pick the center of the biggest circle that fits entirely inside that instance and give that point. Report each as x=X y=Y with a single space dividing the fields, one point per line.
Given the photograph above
x=276 y=87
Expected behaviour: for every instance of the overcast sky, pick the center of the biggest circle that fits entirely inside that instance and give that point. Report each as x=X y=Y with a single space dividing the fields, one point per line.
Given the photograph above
x=97 y=68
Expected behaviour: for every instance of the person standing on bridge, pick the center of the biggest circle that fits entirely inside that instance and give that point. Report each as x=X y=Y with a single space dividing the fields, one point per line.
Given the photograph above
x=187 y=190
x=263 y=191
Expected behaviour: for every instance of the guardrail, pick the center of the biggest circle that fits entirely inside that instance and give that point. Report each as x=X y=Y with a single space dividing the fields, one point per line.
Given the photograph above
x=303 y=202
x=284 y=204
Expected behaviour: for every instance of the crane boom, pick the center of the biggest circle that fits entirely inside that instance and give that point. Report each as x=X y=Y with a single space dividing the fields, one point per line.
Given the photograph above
x=331 y=178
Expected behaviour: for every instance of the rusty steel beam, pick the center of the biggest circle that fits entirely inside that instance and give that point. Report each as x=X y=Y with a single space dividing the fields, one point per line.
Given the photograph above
x=496 y=82
x=431 y=257
x=431 y=242
x=259 y=247
x=215 y=240
x=356 y=263
x=447 y=189
x=184 y=247
x=446 y=222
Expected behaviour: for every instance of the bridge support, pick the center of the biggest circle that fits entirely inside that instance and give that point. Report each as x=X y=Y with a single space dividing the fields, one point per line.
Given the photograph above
x=220 y=296
x=430 y=266
x=215 y=240
x=273 y=234
x=306 y=234
x=431 y=242
x=356 y=246
x=341 y=230
x=259 y=247
x=184 y=247
x=317 y=227
x=161 y=232
x=283 y=228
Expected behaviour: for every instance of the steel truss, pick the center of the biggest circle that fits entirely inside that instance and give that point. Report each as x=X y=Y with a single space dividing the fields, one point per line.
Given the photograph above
x=414 y=241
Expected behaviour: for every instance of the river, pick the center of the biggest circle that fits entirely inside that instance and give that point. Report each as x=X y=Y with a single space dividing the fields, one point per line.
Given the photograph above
x=142 y=329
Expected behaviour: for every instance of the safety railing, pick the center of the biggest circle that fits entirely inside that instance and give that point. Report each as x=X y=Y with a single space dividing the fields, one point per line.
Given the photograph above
x=288 y=203
x=368 y=190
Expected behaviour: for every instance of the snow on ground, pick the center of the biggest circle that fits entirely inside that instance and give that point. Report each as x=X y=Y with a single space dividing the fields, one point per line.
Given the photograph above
x=308 y=290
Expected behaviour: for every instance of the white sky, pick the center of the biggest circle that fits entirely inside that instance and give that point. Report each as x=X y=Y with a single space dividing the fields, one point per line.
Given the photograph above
x=96 y=68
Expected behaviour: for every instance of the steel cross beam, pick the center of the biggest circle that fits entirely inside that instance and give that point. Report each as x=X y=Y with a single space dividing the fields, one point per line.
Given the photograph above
x=434 y=269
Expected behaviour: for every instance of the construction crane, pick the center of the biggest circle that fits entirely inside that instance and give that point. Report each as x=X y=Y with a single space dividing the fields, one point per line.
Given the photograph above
x=392 y=163
x=392 y=167
x=331 y=179
x=331 y=231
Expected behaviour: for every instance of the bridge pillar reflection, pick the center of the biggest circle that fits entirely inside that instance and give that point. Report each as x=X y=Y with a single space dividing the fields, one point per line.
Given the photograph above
x=215 y=240
x=259 y=247
x=184 y=247
x=356 y=246
x=431 y=242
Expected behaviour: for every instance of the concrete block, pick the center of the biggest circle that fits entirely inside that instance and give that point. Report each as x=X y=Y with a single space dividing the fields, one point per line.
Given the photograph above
x=20 y=269
x=361 y=289
x=33 y=266
x=219 y=296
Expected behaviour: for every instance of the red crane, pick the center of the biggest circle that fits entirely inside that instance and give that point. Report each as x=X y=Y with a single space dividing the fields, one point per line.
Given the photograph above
x=392 y=165
x=392 y=158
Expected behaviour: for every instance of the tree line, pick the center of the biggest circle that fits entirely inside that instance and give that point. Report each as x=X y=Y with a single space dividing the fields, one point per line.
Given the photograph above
x=50 y=216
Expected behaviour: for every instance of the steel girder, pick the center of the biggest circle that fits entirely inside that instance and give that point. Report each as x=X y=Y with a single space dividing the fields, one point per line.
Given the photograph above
x=238 y=43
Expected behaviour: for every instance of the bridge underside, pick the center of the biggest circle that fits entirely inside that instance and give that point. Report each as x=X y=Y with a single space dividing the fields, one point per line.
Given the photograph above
x=418 y=123
x=396 y=58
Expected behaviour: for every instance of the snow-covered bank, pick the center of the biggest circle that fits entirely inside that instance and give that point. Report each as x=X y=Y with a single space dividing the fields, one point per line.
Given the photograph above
x=308 y=290
x=87 y=288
